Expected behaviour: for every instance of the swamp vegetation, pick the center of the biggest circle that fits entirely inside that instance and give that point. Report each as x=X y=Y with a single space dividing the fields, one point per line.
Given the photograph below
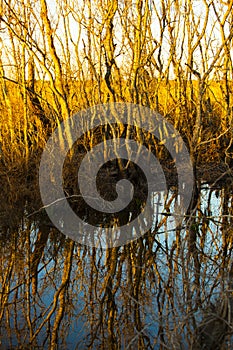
x=172 y=288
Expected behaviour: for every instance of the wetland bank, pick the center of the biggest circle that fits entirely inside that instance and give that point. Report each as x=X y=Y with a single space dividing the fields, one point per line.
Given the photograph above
x=172 y=287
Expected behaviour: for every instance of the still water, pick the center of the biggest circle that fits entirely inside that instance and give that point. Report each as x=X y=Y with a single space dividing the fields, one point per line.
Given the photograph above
x=157 y=292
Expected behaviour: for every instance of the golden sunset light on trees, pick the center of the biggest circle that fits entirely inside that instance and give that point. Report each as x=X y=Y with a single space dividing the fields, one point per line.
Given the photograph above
x=151 y=82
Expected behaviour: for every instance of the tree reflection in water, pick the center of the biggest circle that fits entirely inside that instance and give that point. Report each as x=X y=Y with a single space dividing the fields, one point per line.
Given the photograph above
x=167 y=290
